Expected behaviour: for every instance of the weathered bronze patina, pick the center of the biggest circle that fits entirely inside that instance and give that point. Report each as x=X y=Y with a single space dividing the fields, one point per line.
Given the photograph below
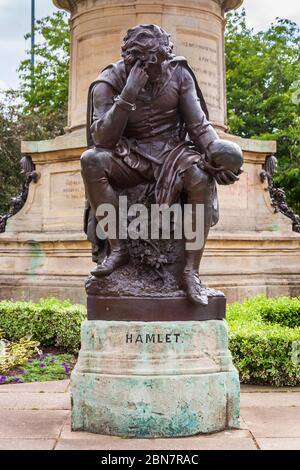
x=148 y=127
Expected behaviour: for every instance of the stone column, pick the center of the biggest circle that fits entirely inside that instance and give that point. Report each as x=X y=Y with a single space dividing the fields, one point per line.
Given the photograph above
x=196 y=26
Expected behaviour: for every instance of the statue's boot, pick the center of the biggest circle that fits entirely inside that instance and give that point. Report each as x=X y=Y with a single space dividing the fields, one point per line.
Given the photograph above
x=119 y=256
x=190 y=281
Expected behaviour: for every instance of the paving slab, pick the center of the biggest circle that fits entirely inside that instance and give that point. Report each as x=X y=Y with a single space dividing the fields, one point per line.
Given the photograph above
x=35 y=401
x=272 y=443
x=228 y=440
x=267 y=401
x=36 y=416
x=272 y=421
x=27 y=444
x=31 y=424
x=55 y=386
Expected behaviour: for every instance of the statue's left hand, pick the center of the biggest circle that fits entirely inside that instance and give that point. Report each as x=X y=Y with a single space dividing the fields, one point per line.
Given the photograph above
x=226 y=177
x=221 y=174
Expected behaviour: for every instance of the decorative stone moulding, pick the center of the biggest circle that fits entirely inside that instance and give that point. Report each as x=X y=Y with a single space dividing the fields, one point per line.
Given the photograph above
x=69 y=5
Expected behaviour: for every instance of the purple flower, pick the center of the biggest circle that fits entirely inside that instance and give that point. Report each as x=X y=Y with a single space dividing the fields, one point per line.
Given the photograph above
x=37 y=356
x=63 y=364
x=30 y=361
x=22 y=372
x=46 y=355
x=52 y=361
x=42 y=365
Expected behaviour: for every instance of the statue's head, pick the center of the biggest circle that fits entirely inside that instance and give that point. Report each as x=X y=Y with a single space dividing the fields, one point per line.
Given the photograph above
x=150 y=44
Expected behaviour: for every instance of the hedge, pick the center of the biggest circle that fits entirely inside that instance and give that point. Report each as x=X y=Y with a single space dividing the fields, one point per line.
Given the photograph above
x=264 y=338
x=50 y=322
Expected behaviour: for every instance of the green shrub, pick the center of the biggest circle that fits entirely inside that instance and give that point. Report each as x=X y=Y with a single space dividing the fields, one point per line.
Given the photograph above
x=67 y=327
x=51 y=322
x=264 y=338
x=265 y=354
x=14 y=354
x=282 y=310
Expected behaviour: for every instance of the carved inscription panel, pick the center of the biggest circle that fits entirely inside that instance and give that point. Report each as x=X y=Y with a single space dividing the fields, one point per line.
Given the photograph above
x=66 y=191
x=203 y=54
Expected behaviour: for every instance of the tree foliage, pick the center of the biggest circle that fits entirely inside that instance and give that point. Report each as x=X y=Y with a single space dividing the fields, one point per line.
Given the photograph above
x=263 y=91
x=10 y=178
x=45 y=88
x=38 y=110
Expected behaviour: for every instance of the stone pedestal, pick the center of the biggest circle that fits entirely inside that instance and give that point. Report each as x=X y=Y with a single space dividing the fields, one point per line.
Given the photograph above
x=155 y=379
x=44 y=251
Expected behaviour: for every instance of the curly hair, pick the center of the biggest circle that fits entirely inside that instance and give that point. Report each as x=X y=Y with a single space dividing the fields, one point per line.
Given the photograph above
x=146 y=42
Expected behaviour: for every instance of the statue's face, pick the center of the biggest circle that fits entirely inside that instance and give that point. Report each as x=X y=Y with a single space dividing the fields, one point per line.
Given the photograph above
x=152 y=63
x=154 y=69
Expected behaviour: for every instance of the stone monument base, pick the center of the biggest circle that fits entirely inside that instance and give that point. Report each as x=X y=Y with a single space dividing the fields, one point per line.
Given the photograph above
x=44 y=251
x=154 y=379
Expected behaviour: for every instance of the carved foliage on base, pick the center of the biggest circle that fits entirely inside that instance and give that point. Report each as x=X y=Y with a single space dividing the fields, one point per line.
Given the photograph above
x=18 y=202
x=277 y=195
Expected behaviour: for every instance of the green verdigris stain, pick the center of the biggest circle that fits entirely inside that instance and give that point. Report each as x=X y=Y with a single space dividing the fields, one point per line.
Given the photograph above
x=275 y=227
x=37 y=258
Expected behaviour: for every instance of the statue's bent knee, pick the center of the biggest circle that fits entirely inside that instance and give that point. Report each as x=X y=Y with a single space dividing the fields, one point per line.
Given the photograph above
x=196 y=177
x=94 y=157
x=86 y=157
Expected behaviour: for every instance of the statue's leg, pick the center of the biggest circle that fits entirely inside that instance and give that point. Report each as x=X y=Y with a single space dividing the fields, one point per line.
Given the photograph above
x=101 y=173
x=199 y=188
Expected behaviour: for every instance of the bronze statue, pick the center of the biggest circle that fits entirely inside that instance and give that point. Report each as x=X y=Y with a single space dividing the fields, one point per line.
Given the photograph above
x=148 y=123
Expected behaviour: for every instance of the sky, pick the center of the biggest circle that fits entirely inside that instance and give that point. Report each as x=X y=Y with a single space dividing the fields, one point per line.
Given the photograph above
x=15 y=23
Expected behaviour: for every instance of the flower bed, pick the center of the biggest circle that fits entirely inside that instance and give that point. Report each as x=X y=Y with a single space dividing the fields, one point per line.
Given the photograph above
x=41 y=367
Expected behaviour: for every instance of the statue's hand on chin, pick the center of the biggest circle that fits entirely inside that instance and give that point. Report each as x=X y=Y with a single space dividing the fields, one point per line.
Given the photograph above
x=136 y=80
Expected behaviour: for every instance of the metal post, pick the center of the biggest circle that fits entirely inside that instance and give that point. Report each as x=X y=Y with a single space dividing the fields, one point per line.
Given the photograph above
x=32 y=41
